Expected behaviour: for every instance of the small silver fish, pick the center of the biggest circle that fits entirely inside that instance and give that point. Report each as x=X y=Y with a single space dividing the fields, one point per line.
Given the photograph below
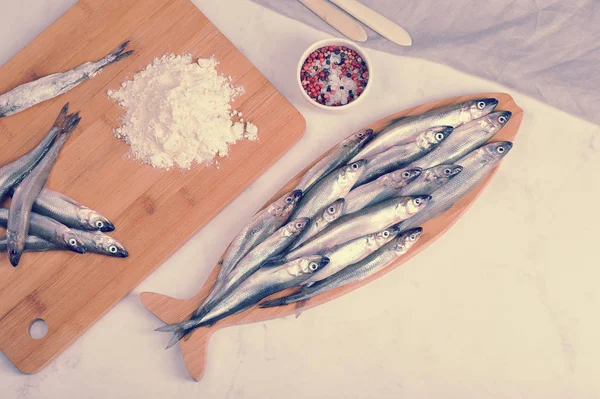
x=465 y=139
x=12 y=173
x=353 y=251
x=404 y=154
x=261 y=226
x=272 y=246
x=377 y=261
x=318 y=223
x=32 y=93
x=333 y=186
x=430 y=180
x=405 y=129
x=94 y=241
x=20 y=207
x=264 y=282
x=476 y=165
x=70 y=212
x=338 y=156
x=49 y=230
x=381 y=189
x=366 y=221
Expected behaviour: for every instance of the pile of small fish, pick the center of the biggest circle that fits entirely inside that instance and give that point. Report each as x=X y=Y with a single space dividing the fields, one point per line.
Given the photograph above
x=40 y=219
x=356 y=211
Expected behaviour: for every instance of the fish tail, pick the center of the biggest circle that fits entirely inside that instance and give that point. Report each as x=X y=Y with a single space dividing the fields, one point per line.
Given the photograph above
x=71 y=123
x=62 y=116
x=117 y=54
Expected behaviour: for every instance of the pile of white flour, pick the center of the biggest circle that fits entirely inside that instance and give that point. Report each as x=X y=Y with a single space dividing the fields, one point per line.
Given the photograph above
x=178 y=113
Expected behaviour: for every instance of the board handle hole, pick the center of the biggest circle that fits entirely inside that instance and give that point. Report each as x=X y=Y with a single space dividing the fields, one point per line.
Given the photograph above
x=38 y=329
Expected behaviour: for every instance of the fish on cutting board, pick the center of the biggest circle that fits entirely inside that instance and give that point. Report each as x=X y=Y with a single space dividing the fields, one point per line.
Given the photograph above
x=252 y=261
x=404 y=154
x=318 y=223
x=356 y=272
x=333 y=186
x=29 y=94
x=17 y=226
x=406 y=128
x=383 y=188
x=264 y=282
x=13 y=173
x=366 y=221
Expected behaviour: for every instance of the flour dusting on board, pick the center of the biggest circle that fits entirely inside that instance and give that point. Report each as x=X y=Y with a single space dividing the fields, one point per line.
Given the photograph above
x=178 y=113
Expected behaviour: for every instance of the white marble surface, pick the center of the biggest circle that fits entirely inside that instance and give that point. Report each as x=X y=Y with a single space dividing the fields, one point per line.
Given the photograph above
x=505 y=305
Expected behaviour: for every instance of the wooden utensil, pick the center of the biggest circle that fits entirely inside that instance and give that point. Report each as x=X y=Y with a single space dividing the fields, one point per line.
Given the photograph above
x=194 y=349
x=380 y=24
x=339 y=20
x=155 y=212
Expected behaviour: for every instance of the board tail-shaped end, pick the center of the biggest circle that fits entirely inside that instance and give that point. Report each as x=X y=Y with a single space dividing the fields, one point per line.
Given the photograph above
x=194 y=345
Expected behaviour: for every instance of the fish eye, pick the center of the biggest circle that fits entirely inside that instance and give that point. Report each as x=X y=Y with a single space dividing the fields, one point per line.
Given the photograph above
x=313 y=266
x=500 y=150
x=360 y=135
x=354 y=166
x=417 y=201
x=481 y=105
x=99 y=224
x=299 y=225
x=502 y=119
x=288 y=200
x=406 y=175
x=413 y=237
x=113 y=249
x=72 y=242
x=331 y=209
x=447 y=171
x=439 y=136
x=385 y=234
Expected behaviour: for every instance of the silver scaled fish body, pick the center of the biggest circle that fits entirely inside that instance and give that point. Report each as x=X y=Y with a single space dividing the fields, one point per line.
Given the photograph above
x=262 y=225
x=264 y=282
x=94 y=241
x=333 y=186
x=404 y=154
x=29 y=94
x=50 y=230
x=476 y=165
x=338 y=156
x=406 y=128
x=353 y=251
x=14 y=172
x=27 y=191
x=318 y=223
x=380 y=189
x=359 y=271
x=430 y=180
x=70 y=212
x=366 y=221
x=465 y=139
x=272 y=246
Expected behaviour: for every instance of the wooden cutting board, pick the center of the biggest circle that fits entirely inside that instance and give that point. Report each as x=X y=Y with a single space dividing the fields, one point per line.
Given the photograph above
x=155 y=212
x=194 y=349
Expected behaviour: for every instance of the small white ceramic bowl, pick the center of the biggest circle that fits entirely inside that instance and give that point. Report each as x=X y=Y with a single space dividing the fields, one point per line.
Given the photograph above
x=335 y=42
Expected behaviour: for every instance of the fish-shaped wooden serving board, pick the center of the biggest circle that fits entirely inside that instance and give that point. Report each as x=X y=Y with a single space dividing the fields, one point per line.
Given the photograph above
x=194 y=349
x=70 y=291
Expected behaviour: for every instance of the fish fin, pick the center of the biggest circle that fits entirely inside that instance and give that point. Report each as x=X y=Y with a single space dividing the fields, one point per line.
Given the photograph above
x=117 y=54
x=273 y=303
x=71 y=123
x=300 y=305
x=62 y=116
x=274 y=261
x=177 y=335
